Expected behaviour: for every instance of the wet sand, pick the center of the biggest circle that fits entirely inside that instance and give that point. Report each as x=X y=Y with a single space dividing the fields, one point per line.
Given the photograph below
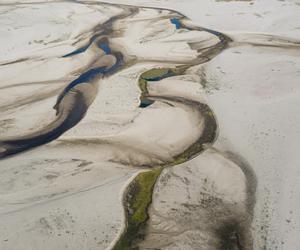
x=135 y=92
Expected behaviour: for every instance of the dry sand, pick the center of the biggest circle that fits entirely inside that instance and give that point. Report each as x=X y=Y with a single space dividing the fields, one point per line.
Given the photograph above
x=67 y=194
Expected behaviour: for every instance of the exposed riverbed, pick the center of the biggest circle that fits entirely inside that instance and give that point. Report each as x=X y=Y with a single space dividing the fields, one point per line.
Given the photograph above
x=124 y=126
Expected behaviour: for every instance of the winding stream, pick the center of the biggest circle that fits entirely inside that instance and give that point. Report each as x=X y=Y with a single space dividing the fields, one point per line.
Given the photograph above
x=111 y=47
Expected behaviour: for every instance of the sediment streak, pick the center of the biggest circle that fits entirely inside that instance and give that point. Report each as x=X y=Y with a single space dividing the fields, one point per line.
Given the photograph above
x=75 y=99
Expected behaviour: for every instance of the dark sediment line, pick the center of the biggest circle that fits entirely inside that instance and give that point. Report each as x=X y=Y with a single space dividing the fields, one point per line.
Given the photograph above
x=71 y=110
x=92 y=73
x=72 y=103
x=154 y=75
x=207 y=54
x=30 y=100
x=209 y=132
x=75 y=99
x=138 y=195
x=71 y=107
x=13 y=62
x=236 y=234
x=84 y=78
x=102 y=30
x=181 y=25
x=249 y=174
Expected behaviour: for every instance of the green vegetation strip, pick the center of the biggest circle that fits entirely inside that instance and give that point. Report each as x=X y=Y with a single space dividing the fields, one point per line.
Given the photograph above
x=138 y=195
x=210 y=126
x=208 y=136
x=137 y=201
x=156 y=74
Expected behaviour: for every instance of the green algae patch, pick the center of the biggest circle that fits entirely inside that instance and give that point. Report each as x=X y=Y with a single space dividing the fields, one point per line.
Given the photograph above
x=144 y=184
x=152 y=75
x=138 y=196
x=139 y=193
x=137 y=201
x=143 y=85
x=156 y=74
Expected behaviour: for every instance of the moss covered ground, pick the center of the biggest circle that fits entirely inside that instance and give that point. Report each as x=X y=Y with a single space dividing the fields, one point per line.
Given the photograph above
x=139 y=197
x=139 y=193
x=156 y=74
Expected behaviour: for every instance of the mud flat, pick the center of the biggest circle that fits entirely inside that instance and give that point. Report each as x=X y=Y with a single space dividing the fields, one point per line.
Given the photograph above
x=204 y=203
x=46 y=189
x=176 y=144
